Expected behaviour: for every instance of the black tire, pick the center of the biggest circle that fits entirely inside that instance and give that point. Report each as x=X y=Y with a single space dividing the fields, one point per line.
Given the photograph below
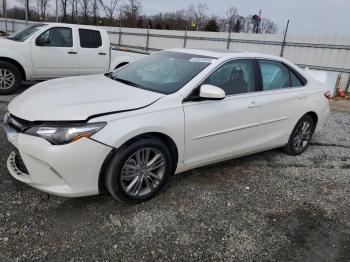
x=291 y=148
x=113 y=176
x=17 y=78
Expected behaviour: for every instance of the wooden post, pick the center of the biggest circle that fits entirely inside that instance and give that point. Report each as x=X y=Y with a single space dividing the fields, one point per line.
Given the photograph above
x=147 y=38
x=120 y=35
x=27 y=11
x=5 y=15
x=185 y=37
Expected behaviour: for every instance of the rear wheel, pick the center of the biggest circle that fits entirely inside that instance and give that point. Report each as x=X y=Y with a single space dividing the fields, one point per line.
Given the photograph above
x=139 y=171
x=10 y=78
x=301 y=136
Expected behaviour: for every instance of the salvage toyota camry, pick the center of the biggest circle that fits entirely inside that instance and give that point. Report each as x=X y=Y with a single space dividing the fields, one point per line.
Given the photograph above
x=129 y=130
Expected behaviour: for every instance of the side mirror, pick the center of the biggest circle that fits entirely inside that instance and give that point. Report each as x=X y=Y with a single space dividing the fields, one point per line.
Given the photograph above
x=41 y=41
x=211 y=92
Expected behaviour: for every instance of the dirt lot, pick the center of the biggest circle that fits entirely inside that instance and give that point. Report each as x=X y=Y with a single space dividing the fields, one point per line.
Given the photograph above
x=265 y=207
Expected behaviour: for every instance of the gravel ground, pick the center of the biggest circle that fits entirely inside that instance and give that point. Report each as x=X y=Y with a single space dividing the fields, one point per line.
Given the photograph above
x=265 y=207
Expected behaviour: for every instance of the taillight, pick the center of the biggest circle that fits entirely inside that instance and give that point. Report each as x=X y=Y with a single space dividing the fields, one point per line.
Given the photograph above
x=328 y=95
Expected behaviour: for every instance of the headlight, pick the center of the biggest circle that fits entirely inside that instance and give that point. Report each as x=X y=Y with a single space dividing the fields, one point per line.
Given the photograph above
x=60 y=135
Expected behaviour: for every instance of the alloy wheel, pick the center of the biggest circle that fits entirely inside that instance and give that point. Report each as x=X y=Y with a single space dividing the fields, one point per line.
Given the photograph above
x=7 y=79
x=143 y=171
x=302 y=136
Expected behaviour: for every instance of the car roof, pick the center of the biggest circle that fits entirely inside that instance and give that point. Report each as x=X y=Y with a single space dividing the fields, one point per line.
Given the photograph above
x=220 y=53
x=74 y=25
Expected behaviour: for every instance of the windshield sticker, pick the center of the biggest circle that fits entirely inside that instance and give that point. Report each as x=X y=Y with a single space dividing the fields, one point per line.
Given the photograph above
x=202 y=60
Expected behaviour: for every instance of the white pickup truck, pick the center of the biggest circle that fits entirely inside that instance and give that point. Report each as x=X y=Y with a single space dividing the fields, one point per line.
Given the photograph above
x=45 y=51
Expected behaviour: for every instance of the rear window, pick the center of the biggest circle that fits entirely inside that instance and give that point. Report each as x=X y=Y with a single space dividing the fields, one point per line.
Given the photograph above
x=90 y=38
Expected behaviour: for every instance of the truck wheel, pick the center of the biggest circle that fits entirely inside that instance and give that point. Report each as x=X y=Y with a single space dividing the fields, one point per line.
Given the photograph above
x=10 y=78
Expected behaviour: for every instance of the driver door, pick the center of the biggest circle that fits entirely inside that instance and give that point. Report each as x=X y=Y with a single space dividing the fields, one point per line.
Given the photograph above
x=54 y=54
x=216 y=129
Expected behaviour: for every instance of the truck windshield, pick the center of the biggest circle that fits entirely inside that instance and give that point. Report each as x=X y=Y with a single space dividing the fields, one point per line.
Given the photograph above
x=164 y=72
x=26 y=33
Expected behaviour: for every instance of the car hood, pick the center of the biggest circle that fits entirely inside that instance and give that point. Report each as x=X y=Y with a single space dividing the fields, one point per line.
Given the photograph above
x=78 y=98
x=7 y=43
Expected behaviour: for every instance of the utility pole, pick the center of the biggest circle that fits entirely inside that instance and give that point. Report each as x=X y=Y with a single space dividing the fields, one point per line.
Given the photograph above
x=76 y=11
x=186 y=29
x=5 y=14
x=229 y=33
x=27 y=11
x=56 y=11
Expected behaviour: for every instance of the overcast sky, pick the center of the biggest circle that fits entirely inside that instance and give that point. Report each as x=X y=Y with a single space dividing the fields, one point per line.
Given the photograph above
x=330 y=17
x=306 y=16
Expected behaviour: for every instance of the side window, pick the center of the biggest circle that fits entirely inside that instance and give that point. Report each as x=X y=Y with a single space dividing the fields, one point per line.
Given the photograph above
x=295 y=81
x=56 y=37
x=235 y=77
x=274 y=75
x=90 y=38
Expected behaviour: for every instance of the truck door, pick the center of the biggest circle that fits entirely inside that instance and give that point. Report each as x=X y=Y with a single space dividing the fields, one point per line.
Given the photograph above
x=93 y=52
x=54 y=53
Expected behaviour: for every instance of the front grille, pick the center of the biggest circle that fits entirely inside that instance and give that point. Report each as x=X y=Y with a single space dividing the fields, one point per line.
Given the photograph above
x=19 y=163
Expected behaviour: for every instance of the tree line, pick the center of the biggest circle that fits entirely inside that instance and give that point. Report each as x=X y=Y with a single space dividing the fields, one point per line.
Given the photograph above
x=129 y=13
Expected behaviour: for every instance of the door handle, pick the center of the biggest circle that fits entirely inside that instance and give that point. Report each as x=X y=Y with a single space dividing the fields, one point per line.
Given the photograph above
x=72 y=53
x=102 y=53
x=301 y=96
x=253 y=104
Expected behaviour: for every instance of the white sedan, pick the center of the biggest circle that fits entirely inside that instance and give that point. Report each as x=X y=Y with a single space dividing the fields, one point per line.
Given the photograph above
x=129 y=130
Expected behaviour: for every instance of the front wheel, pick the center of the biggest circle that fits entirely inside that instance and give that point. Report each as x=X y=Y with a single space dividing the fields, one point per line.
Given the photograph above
x=139 y=171
x=301 y=136
x=10 y=78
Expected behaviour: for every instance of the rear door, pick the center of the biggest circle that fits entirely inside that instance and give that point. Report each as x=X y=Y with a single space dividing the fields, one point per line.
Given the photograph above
x=219 y=129
x=282 y=102
x=93 y=52
x=54 y=53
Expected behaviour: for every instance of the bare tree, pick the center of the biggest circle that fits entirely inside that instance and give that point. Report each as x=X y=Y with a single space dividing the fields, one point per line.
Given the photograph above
x=41 y=9
x=247 y=25
x=129 y=13
x=110 y=8
x=95 y=10
x=267 y=26
x=132 y=12
x=64 y=10
x=23 y=3
x=73 y=5
x=238 y=27
x=232 y=17
x=199 y=13
x=85 y=7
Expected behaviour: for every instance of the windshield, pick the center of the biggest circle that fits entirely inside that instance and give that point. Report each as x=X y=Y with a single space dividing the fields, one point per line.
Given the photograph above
x=26 y=33
x=164 y=72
